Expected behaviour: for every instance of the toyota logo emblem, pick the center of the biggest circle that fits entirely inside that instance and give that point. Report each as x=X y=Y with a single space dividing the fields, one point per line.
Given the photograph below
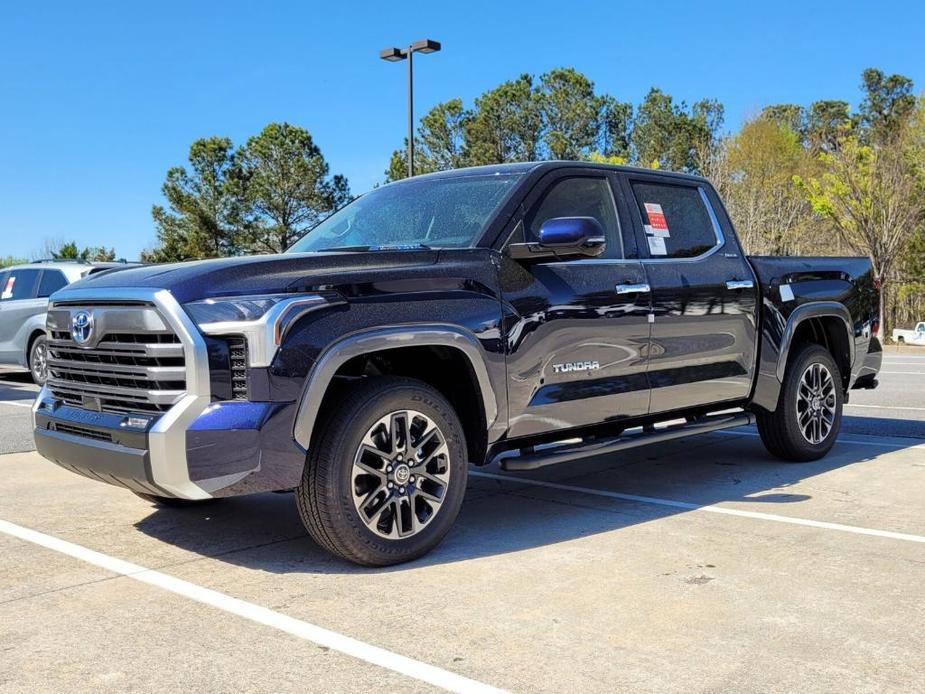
x=81 y=327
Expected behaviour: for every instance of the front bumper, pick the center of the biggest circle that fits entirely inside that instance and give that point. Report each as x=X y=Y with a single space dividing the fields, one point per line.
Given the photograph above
x=228 y=448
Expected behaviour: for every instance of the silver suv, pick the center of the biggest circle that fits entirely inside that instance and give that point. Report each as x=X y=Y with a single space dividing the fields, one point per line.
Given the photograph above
x=24 y=292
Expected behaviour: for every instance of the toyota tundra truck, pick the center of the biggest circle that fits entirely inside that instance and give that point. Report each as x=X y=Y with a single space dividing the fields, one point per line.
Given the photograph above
x=521 y=315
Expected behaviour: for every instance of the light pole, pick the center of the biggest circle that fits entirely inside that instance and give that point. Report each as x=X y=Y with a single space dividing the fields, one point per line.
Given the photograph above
x=394 y=55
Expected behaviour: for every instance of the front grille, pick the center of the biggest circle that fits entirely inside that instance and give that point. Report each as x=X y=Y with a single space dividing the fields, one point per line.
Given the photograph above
x=82 y=431
x=139 y=371
x=237 y=357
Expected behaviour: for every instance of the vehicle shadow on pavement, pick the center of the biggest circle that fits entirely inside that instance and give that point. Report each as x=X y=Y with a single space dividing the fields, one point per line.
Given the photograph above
x=263 y=532
x=883 y=426
x=17 y=386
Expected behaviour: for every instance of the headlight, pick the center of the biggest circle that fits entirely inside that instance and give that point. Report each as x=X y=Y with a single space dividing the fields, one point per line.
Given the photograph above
x=233 y=308
x=261 y=319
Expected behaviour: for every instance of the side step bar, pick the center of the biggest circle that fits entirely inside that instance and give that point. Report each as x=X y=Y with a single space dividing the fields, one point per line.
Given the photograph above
x=586 y=449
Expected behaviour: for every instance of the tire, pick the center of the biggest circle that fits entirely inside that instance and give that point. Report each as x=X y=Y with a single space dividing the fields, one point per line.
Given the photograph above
x=38 y=360
x=901 y=340
x=357 y=501
x=781 y=431
x=171 y=502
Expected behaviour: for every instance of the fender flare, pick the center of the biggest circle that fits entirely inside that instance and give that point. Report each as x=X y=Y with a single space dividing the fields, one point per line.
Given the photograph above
x=379 y=339
x=817 y=309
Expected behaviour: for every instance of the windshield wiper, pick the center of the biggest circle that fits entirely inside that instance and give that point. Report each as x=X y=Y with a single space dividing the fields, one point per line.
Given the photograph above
x=384 y=247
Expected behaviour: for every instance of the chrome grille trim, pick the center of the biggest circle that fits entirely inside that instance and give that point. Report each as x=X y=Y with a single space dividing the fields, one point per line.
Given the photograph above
x=167 y=436
x=136 y=364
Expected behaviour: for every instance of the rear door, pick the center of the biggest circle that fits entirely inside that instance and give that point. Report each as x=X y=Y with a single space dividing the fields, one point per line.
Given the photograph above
x=577 y=330
x=704 y=294
x=18 y=302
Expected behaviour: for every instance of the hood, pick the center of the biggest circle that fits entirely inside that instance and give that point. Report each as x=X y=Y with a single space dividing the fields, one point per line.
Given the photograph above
x=264 y=274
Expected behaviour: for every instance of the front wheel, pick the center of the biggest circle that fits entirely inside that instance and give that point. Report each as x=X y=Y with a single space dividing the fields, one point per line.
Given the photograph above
x=385 y=481
x=809 y=411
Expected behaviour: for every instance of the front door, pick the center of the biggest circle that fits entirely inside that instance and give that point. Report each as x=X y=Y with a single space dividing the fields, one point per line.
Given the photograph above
x=577 y=330
x=704 y=295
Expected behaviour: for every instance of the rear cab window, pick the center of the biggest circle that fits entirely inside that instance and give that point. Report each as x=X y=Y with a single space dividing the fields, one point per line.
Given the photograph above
x=676 y=220
x=19 y=284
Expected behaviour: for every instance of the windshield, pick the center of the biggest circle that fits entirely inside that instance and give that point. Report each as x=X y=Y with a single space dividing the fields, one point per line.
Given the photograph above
x=434 y=213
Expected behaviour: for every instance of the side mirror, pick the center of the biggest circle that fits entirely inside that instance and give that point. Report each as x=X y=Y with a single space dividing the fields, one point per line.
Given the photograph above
x=563 y=237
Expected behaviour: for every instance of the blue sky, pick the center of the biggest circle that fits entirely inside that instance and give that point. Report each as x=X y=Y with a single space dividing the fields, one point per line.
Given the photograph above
x=99 y=99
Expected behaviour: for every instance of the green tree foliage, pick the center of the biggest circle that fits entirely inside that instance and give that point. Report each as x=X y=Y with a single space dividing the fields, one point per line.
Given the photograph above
x=69 y=250
x=763 y=157
x=202 y=218
x=259 y=198
x=887 y=104
x=8 y=260
x=668 y=135
x=506 y=124
x=571 y=113
x=868 y=194
x=827 y=122
x=284 y=187
x=791 y=116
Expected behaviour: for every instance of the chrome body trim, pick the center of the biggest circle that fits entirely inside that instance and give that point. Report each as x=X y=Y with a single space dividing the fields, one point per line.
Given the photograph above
x=641 y=288
x=265 y=334
x=167 y=438
x=733 y=285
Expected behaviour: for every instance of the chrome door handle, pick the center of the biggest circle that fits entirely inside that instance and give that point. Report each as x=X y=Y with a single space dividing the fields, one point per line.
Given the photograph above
x=633 y=288
x=739 y=284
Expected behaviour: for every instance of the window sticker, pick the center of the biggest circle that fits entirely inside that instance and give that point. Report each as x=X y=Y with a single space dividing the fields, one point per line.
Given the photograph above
x=658 y=224
x=8 y=289
x=657 y=245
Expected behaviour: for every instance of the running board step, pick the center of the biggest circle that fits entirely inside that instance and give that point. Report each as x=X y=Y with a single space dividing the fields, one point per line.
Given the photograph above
x=586 y=449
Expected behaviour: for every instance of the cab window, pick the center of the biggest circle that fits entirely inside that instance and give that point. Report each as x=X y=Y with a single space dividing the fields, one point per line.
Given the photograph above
x=578 y=197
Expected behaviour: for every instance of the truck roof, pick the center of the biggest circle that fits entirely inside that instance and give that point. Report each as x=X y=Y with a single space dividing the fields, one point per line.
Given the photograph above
x=544 y=166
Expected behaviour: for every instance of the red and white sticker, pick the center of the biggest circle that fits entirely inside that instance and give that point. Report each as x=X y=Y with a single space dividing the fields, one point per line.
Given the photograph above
x=8 y=289
x=658 y=224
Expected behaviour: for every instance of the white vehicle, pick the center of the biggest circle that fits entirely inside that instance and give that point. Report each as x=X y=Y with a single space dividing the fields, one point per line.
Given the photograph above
x=911 y=337
x=24 y=292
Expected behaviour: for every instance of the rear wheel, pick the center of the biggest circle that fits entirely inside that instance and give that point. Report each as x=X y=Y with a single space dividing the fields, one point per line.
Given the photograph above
x=808 y=415
x=384 y=482
x=38 y=360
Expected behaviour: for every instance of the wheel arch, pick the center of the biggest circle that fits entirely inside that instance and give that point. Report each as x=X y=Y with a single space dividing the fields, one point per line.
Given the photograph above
x=825 y=323
x=413 y=348
x=34 y=333
x=822 y=322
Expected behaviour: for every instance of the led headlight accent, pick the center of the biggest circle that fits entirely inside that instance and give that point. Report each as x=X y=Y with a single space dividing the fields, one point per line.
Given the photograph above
x=233 y=308
x=261 y=319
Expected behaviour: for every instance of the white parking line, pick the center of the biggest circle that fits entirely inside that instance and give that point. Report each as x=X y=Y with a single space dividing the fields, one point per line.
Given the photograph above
x=255 y=613
x=886 y=407
x=840 y=439
x=15 y=403
x=857 y=530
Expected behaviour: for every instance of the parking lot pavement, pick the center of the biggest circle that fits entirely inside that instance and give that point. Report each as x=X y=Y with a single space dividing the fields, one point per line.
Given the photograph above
x=16 y=394
x=698 y=564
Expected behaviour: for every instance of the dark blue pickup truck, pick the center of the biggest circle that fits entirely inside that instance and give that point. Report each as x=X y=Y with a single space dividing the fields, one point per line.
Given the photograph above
x=525 y=314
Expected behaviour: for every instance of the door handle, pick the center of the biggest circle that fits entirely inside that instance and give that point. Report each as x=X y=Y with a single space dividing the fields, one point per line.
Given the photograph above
x=739 y=284
x=641 y=288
